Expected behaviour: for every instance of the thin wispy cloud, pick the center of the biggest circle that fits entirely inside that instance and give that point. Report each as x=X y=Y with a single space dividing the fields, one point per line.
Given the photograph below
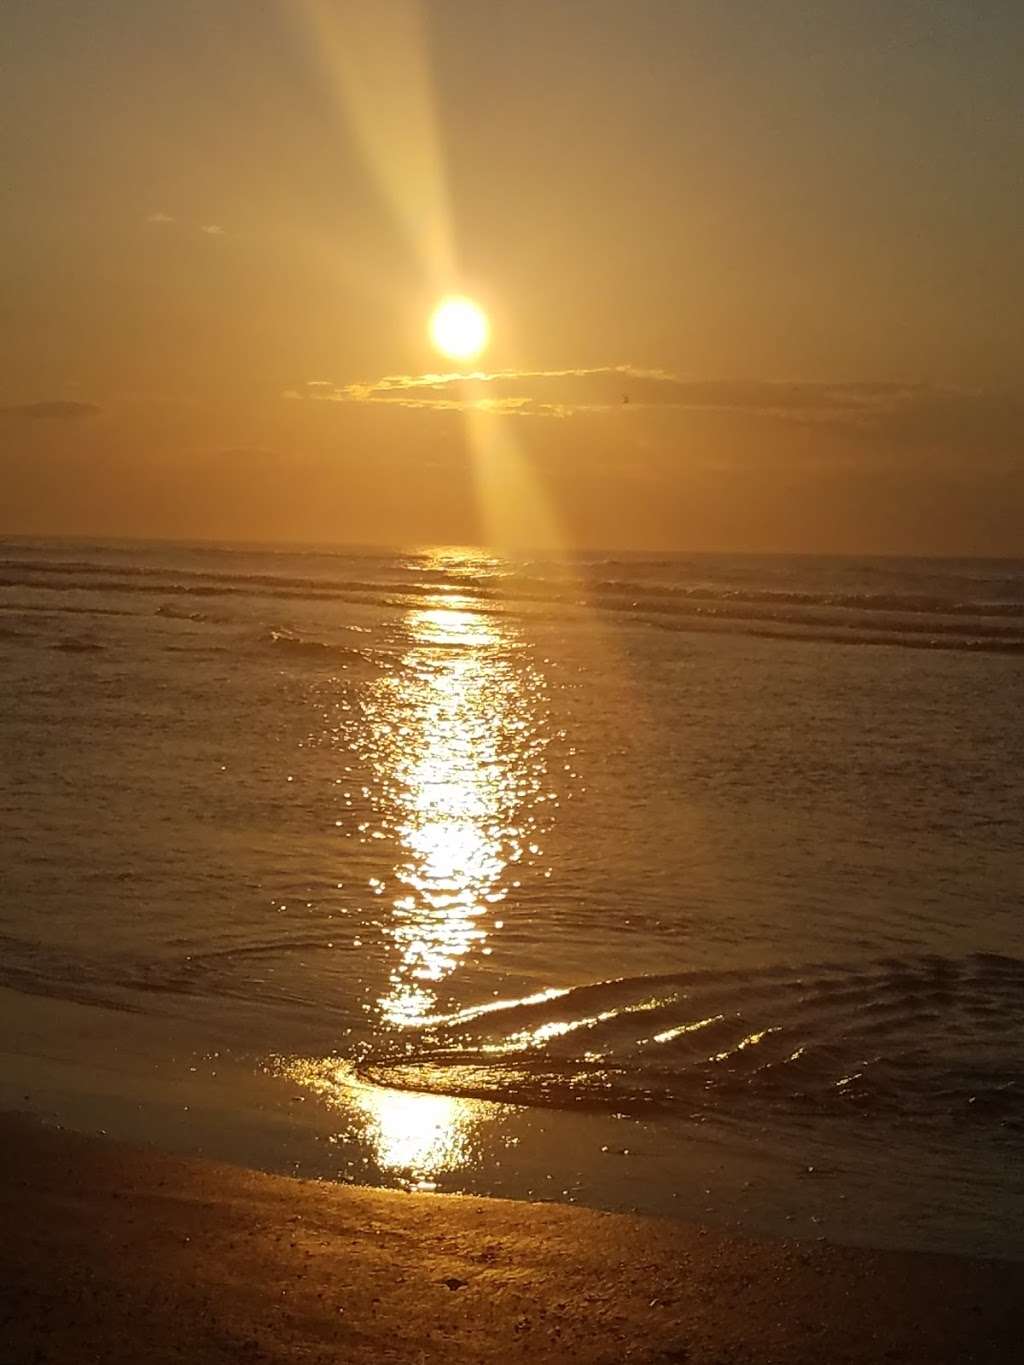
x=248 y=453
x=168 y=220
x=53 y=410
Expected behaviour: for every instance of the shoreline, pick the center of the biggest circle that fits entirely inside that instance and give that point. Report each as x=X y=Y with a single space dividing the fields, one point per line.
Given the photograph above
x=121 y=1253
x=158 y=1083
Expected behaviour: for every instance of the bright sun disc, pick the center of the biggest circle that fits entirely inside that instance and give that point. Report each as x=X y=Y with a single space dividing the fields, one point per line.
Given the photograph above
x=459 y=328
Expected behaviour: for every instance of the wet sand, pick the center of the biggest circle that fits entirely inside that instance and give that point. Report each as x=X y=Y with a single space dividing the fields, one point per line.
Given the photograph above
x=118 y=1254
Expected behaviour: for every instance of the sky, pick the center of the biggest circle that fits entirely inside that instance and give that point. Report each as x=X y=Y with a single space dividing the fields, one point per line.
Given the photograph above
x=788 y=233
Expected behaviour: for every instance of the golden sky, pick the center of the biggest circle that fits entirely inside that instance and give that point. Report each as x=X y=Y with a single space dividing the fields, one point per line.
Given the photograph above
x=787 y=232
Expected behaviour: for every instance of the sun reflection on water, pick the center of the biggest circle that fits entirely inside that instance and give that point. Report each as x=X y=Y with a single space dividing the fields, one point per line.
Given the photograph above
x=458 y=759
x=453 y=742
x=414 y=1137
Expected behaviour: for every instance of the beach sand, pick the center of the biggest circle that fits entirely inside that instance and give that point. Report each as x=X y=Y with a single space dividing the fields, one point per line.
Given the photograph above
x=116 y=1254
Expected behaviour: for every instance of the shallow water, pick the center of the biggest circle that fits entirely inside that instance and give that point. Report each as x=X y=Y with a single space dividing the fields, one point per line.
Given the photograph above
x=491 y=862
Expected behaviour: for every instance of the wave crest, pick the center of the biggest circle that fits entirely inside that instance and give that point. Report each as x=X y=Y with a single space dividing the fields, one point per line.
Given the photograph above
x=925 y=1040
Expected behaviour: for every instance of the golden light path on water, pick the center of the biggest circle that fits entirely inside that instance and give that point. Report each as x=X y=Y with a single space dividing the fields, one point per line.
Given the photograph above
x=458 y=774
x=457 y=751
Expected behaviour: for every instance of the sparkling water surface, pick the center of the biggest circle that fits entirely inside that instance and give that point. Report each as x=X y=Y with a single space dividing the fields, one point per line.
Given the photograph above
x=684 y=883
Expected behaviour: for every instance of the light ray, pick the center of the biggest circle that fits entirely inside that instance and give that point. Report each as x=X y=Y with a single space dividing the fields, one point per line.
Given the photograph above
x=376 y=63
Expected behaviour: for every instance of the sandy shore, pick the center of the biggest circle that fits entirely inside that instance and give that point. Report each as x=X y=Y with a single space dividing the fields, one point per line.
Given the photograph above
x=118 y=1254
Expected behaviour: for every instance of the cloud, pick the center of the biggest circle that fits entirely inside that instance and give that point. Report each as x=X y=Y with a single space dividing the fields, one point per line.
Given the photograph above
x=547 y=393
x=913 y=409
x=247 y=453
x=54 y=410
x=207 y=229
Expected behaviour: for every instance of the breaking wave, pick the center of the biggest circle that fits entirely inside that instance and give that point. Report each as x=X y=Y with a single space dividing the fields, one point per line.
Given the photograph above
x=868 y=603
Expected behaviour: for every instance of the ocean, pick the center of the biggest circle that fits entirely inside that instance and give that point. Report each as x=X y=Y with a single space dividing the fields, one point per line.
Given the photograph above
x=686 y=884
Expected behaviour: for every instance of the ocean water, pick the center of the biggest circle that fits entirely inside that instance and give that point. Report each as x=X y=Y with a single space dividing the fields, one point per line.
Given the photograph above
x=684 y=883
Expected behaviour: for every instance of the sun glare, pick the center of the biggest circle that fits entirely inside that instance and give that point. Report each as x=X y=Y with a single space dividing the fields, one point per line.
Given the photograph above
x=459 y=328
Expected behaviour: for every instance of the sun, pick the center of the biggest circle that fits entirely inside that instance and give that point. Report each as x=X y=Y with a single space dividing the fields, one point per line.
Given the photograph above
x=459 y=328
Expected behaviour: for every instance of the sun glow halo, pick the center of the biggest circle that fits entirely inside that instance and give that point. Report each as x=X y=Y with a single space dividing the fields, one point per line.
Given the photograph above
x=459 y=328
